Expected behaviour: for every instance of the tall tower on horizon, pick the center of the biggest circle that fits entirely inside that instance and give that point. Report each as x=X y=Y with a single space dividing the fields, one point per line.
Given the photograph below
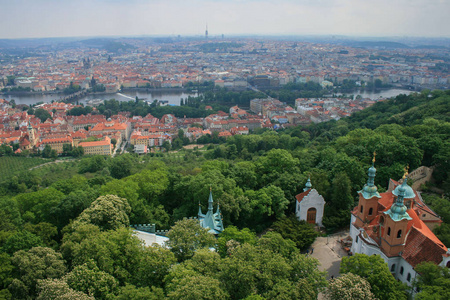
x=206 y=31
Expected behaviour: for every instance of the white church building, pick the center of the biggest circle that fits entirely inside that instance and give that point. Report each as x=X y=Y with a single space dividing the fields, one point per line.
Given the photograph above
x=393 y=225
x=309 y=205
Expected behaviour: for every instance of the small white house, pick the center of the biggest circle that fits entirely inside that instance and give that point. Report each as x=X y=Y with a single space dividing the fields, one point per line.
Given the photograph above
x=310 y=205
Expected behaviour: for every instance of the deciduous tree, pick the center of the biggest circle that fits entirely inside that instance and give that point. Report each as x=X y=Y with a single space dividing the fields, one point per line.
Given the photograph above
x=187 y=236
x=376 y=272
x=107 y=212
x=349 y=286
x=30 y=266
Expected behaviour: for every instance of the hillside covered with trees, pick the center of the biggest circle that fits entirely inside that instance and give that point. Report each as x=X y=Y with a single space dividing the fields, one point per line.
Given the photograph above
x=64 y=228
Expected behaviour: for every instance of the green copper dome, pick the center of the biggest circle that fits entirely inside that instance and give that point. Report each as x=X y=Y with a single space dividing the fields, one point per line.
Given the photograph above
x=408 y=191
x=370 y=189
x=308 y=185
x=397 y=212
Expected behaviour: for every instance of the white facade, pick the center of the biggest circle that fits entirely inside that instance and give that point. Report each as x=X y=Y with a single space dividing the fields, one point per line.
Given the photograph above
x=307 y=201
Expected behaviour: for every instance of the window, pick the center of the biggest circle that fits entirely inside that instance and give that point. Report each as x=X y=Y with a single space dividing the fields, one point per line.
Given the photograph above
x=381 y=220
x=362 y=208
x=370 y=211
x=399 y=234
x=408 y=278
x=401 y=270
x=389 y=231
x=357 y=240
x=393 y=268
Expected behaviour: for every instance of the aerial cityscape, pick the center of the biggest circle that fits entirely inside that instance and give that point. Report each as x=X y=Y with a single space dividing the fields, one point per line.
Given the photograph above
x=224 y=149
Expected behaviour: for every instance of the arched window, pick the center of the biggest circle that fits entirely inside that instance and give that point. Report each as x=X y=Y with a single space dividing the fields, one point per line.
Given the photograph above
x=408 y=278
x=362 y=208
x=357 y=240
x=393 y=268
x=382 y=220
x=399 y=234
x=389 y=231
x=401 y=270
x=370 y=211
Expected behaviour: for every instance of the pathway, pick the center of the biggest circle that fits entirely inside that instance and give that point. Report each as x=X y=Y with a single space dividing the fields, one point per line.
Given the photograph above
x=51 y=162
x=329 y=252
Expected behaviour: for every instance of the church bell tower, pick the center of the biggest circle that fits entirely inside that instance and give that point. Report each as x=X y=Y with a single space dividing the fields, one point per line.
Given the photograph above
x=395 y=223
x=368 y=199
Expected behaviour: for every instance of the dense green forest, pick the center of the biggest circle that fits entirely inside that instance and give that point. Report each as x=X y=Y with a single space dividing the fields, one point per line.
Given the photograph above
x=64 y=228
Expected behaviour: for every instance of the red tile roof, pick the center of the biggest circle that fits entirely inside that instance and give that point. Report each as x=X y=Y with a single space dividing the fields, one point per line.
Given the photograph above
x=302 y=195
x=420 y=247
x=96 y=143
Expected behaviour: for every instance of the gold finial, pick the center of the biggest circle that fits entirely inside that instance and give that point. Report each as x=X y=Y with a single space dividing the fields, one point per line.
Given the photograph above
x=374 y=154
x=210 y=188
x=406 y=171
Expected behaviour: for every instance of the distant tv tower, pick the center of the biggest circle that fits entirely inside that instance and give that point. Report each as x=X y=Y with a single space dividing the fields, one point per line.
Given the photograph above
x=206 y=31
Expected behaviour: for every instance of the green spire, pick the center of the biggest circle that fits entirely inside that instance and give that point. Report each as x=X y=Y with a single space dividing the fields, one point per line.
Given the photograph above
x=397 y=212
x=212 y=221
x=308 y=185
x=210 y=200
x=199 y=209
x=372 y=172
x=370 y=189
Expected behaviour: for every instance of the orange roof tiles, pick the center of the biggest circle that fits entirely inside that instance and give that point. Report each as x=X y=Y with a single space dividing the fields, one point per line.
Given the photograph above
x=302 y=195
x=55 y=141
x=95 y=143
x=103 y=126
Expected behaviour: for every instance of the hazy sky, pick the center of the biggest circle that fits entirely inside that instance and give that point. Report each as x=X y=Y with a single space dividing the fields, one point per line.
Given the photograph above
x=60 y=18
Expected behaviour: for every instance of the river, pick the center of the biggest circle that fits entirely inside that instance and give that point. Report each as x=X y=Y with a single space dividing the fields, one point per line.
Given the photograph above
x=377 y=94
x=173 y=97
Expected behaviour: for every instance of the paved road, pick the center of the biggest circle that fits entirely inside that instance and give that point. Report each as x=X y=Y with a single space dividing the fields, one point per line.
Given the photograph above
x=329 y=252
x=52 y=162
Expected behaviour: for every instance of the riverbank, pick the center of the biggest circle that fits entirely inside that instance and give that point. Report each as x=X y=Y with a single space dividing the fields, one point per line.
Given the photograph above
x=24 y=93
x=172 y=95
x=140 y=89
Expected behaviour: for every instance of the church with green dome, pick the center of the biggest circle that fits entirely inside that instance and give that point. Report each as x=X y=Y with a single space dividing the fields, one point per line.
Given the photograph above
x=396 y=225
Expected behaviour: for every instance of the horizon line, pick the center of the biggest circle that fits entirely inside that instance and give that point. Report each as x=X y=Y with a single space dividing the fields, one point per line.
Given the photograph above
x=232 y=36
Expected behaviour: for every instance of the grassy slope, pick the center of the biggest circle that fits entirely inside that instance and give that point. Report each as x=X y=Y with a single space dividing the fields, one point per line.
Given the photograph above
x=10 y=165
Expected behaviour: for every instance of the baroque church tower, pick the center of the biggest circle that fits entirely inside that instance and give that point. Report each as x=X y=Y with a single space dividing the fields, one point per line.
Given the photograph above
x=368 y=199
x=394 y=222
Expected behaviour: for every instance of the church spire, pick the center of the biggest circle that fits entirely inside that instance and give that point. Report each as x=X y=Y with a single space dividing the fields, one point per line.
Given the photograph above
x=402 y=190
x=210 y=200
x=199 y=209
x=370 y=189
x=397 y=212
x=372 y=172
x=211 y=220
x=308 y=185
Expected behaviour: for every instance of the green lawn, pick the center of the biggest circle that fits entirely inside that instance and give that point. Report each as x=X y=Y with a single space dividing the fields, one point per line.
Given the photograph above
x=10 y=165
x=53 y=172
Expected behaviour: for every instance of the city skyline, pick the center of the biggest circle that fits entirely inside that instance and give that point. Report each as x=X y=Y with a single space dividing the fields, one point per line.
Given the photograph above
x=51 y=18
